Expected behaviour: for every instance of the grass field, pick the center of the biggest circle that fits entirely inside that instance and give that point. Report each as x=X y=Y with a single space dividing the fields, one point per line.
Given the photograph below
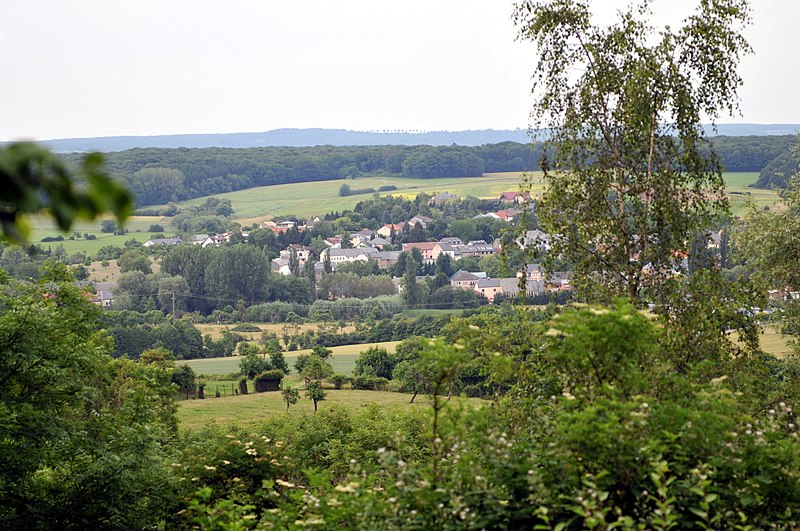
x=111 y=272
x=309 y=199
x=773 y=342
x=215 y=330
x=317 y=198
x=343 y=359
x=252 y=408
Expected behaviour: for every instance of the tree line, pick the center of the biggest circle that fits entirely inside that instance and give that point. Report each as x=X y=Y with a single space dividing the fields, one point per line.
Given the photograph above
x=158 y=176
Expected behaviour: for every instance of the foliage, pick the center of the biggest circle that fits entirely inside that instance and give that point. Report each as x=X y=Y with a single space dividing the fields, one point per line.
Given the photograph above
x=290 y=396
x=253 y=360
x=630 y=174
x=73 y=420
x=779 y=172
x=368 y=382
x=35 y=179
x=315 y=369
x=315 y=393
x=768 y=242
x=338 y=380
x=375 y=361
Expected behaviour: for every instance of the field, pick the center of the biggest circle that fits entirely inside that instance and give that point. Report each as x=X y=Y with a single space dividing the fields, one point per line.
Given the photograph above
x=252 y=408
x=740 y=194
x=343 y=359
x=774 y=343
x=215 y=330
x=317 y=198
x=308 y=199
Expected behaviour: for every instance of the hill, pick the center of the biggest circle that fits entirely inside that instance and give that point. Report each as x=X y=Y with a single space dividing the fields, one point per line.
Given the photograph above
x=343 y=137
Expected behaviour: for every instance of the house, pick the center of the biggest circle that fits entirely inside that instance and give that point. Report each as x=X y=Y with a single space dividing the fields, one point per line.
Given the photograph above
x=447 y=249
x=203 y=240
x=283 y=226
x=281 y=266
x=423 y=221
x=476 y=248
x=340 y=256
x=364 y=234
x=452 y=240
x=162 y=241
x=463 y=279
x=219 y=239
x=488 y=287
x=390 y=229
x=559 y=281
x=333 y=241
x=105 y=292
x=507 y=215
x=534 y=272
x=537 y=238
x=440 y=199
x=387 y=258
x=377 y=242
x=426 y=248
x=514 y=197
x=303 y=252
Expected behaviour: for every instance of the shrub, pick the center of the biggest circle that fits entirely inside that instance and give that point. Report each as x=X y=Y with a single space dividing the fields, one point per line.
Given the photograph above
x=243 y=385
x=246 y=328
x=369 y=383
x=338 y=380
x=268 y=381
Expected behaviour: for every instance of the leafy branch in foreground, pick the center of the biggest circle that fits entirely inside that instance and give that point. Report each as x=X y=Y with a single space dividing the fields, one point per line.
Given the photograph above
x=34 y=179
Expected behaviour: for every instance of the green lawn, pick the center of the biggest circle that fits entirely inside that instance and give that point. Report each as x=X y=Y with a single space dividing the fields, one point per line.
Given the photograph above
x=317 y=198
x=309 y=199
x=773 y=342
x=343 y=360
x=252 y=408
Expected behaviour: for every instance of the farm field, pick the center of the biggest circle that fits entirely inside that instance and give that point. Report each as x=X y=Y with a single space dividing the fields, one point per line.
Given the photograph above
x=317 y=198
x=308 y=199
x=249 y=409
x=215 y=330
x=111 y=272
x=773 y=342
x=343 y=359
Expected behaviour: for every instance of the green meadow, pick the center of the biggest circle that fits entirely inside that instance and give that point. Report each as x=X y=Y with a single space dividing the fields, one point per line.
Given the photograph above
x=244 y=410
x=317 y=198
x=343 y=359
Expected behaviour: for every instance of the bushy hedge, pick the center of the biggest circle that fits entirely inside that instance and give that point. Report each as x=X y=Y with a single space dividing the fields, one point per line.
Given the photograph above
x=370 y=383
x=275 y=312
x=350 y=308
x=268 y=381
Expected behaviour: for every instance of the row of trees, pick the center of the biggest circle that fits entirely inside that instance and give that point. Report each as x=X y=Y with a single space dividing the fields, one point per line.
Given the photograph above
x=158 y=176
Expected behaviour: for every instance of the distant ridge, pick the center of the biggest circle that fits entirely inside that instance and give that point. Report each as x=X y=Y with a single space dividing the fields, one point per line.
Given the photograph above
x=343 y=137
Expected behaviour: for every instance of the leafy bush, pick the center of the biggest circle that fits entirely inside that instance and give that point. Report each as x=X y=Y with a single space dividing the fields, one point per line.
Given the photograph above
x=370 y=383
x=246 y=328
x=268 y=381
x=338 y=380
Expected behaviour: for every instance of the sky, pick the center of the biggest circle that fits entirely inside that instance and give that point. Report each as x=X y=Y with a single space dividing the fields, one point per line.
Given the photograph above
x=84 y=68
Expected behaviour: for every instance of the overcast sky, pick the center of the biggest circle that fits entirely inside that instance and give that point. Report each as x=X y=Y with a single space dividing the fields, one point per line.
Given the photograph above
x=78 y=68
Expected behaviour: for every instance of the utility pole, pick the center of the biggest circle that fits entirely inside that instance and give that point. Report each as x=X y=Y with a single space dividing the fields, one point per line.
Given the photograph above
x=173 y=307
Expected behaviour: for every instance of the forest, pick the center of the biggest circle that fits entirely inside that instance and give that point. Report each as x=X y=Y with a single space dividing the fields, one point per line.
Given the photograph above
x=159 y=176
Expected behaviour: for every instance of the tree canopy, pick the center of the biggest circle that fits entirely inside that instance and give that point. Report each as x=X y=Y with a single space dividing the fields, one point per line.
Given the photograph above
x=630 y=174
